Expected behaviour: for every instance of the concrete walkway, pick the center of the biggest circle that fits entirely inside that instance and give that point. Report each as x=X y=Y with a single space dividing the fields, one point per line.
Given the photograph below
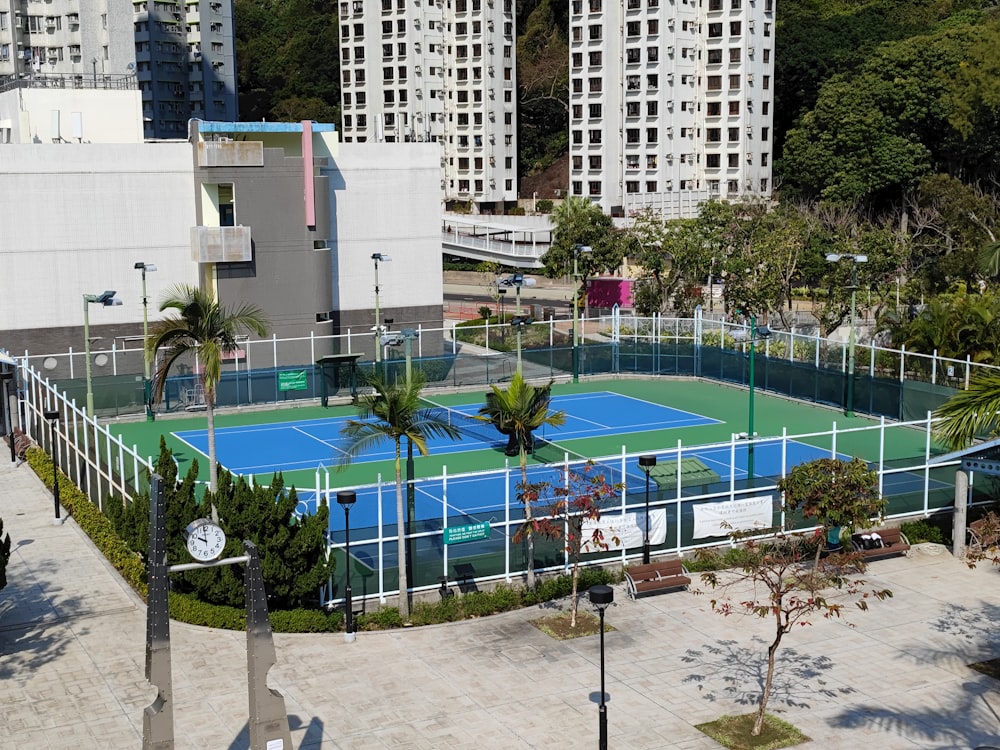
x=72 y=657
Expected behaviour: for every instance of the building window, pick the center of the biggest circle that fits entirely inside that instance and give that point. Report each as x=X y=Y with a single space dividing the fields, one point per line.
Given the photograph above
x=595 y=136
x=631 y=109
x=735 y=28
x=577 y=136
x=763 y=186
x=652 y=108
x=632 y=161
x=767 y=56
x=734 y=134
x=652 y=81
x=577 y=59
x=594 y=187
x=713 y=135
x=631 y=186
x=577 y=111
x=713 y=109
x=595 y=85
x=386 y=74
x=764 y=159
x=734 y=107
x=650 y=186
x=595 y=110
x=734 y=81
x=632 y=83
x=594 y=58
x=631 y=135
x=595 y=32
x=652 y=27
x=712 y=161
x=714 y=5
x=734 y=54
x=652 y=135
x=767 y=29
x=733 y=161
x=577 y=85
x=577 y=163
x=714 y=83
x=765 y=133
x=650 y=161
x=767 y=83
x=652 y=54
x=714 y=30
x=594 y=162
x=632 y=28
x=632 y=55
x=577 y=187
x=714 y=56
x=732 y=186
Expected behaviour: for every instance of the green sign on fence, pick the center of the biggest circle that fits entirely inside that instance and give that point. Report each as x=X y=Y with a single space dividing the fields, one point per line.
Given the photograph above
x=471 y=533
x=292 y=380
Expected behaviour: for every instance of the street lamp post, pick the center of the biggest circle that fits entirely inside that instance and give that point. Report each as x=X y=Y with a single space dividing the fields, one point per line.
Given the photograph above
x=107 y=299
x=378 y=323
x=601 y=596
x=577 y=249
x=501 y=293
x=346 y=498
x=756 y=334
x=646 y=463
x=147 y=389
x=854 y=261
x=53 y=418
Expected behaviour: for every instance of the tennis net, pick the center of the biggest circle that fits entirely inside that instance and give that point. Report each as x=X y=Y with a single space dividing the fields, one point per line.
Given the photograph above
x=465 y=423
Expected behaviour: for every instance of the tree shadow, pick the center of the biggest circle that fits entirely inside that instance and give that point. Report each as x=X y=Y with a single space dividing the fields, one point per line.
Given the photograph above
x=31 y=632
x=958 y=720
x=734 y=672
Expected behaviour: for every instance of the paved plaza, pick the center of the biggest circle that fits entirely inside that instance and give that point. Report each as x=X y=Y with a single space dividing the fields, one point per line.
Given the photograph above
x=72 y=645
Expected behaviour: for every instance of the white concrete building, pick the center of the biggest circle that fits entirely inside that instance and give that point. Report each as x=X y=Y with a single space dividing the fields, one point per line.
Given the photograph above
x=440 y=72
x=670 y=102
x=279 y=215
x=181 y=54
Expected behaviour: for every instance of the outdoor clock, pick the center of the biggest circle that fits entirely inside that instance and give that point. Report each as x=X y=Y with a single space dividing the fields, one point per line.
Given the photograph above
x=205 y=540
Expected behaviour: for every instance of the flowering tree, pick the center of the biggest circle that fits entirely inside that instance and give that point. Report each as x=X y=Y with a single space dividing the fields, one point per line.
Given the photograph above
x=563 y=511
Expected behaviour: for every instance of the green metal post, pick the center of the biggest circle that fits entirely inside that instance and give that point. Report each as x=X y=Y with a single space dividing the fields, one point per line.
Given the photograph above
x=86 y=352
x=576 y=316
x=849 y=406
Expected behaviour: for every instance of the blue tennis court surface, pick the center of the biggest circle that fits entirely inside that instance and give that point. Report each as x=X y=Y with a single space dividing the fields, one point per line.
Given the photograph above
x=308 y=444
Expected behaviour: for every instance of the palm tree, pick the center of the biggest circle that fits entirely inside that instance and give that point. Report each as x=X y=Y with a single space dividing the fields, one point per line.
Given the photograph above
x=207 y=328
x=971 y=412
x=393 y=412
x=517 y=412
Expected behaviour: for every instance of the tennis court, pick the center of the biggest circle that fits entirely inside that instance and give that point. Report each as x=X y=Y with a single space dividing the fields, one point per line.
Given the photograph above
x=312 y=443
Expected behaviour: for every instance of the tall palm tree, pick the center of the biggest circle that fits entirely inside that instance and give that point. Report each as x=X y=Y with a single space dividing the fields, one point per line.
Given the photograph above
x=517 y=412
x=205 y=327
x=971 y=412
x=392 y=412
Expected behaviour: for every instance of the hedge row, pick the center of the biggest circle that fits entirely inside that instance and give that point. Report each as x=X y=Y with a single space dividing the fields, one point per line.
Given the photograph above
x=189 y=610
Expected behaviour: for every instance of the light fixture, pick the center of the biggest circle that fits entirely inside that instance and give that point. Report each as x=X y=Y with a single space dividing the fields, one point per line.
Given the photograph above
x=646 y=463
x=347 y=498
x=854 y=260
x=577 y=249
x=147 y=390
x=107 y=299
x=601 y=596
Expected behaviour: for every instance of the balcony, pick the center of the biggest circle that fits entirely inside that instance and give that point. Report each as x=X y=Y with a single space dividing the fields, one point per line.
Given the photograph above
x=221 y=245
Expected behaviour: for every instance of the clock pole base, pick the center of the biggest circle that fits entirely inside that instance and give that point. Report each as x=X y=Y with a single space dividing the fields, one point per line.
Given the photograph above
x=350 y=637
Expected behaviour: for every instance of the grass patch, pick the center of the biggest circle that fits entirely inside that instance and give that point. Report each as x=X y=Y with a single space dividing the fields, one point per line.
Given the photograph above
x=989 y=668
x=734 y=732
x=558 y=626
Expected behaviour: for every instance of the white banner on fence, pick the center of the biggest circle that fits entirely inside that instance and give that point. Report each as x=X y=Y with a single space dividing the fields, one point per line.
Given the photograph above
x=721 y=519
x=628 y=529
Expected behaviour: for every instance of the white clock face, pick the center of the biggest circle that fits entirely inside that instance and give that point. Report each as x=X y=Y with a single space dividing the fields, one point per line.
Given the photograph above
x=205 y=540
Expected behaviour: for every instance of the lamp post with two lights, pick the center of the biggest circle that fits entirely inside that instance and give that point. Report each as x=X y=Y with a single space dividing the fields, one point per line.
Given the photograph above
x=147 y=389
x=854 y=260
x=107 y=299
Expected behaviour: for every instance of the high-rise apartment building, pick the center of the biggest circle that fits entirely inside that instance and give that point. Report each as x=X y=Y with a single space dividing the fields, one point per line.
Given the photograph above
x=670 y=102
x=181 y=53
x=440 y=71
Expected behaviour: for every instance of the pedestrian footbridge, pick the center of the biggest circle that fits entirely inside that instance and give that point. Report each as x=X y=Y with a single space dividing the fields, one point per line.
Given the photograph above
x=483 y=238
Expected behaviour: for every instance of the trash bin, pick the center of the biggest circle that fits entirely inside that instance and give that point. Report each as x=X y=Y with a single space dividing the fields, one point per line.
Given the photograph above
x=548 y=313
x=536 y=312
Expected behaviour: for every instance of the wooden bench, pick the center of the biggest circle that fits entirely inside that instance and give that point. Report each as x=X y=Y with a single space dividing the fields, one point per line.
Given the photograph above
x=894 y=542
x=658 y=576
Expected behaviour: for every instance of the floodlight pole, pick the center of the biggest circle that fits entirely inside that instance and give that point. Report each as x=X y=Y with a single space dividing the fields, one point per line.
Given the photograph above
x=147 y=383
x=378 y=319
x=851 y=339
x=577 y=249
x=750 y=432
x=646 y=463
